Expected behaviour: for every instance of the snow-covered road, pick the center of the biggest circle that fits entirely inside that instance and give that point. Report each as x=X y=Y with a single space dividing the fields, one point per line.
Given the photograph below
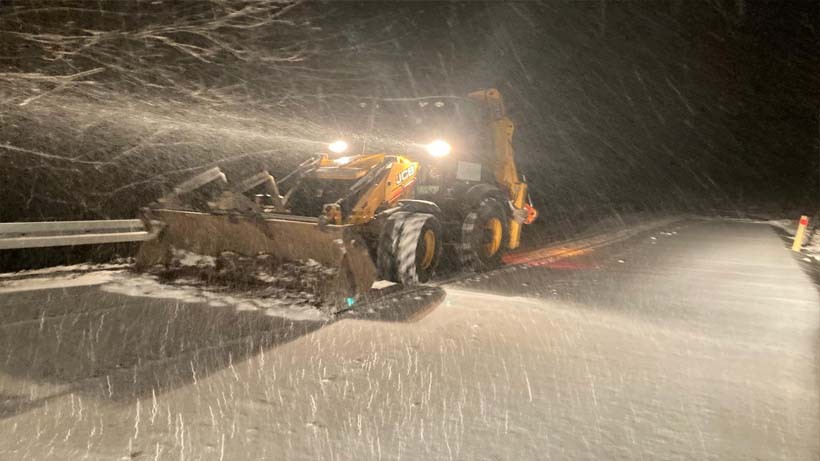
x=694 y=340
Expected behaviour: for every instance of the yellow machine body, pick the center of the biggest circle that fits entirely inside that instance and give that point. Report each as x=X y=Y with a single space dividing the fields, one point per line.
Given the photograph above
x=341 y=234
x=397 y=184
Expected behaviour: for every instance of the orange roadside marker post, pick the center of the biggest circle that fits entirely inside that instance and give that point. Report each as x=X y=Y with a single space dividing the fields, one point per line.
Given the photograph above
x=801 y=231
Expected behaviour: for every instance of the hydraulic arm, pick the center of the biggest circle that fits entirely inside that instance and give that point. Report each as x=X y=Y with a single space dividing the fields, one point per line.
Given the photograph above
x=504 y=169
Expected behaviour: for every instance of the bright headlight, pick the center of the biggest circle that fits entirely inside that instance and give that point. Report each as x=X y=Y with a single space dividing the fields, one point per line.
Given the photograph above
x=439 y=148
x=337 y=147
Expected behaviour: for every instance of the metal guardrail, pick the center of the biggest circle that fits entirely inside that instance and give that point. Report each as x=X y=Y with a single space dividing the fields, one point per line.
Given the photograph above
x=65 y=233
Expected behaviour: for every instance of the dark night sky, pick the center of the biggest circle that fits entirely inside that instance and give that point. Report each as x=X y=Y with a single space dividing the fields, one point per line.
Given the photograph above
x=619 y=100
x=656 y=104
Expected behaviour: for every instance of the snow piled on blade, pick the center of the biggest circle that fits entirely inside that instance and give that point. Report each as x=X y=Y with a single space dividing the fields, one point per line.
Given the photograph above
x=249 y=282
x=188 y=259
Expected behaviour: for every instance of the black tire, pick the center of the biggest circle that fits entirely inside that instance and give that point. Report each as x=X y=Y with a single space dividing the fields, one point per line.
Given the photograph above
x=475 y=252
x=403 y=255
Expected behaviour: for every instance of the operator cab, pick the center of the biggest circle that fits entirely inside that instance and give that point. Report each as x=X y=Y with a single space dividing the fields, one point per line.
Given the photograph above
x=412 y=126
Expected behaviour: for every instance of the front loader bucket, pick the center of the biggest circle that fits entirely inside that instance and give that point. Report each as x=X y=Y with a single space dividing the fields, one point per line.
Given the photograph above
x=284 y=237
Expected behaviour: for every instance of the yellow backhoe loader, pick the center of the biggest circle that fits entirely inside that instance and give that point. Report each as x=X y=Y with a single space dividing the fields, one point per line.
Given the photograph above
x=384 y=215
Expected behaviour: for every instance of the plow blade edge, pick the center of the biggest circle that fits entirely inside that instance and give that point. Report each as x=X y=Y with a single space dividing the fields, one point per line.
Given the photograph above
x=284 y=238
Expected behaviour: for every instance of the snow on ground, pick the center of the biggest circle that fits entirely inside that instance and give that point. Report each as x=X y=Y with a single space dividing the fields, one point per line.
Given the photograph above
x=812 y=248
x=287 y=290
x=46 y=282
x=183 y=290
x=277 y=288
x=788 y=226
x=702 y=346
x=606 y=233
x=123 y=263
x=193 y=291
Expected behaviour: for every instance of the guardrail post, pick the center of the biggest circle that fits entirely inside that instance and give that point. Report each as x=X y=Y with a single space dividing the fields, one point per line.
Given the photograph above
x=801 y=232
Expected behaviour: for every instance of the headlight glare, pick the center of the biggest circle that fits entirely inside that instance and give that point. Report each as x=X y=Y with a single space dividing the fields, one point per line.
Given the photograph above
x=439 y=148
x=338 y=147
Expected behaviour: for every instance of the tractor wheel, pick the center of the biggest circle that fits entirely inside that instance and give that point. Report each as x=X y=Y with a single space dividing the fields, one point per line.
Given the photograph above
x=409 y=247
x=483 y=233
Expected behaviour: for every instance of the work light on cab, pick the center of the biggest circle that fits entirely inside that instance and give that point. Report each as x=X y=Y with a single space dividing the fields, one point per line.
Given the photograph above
x=439 y=148
x=338 y=147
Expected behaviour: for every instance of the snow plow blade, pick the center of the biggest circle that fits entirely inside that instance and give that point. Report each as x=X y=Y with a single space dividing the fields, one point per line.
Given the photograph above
x=286 y=238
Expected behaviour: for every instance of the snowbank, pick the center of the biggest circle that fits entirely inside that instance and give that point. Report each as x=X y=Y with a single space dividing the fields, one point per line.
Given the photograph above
x=811 y=240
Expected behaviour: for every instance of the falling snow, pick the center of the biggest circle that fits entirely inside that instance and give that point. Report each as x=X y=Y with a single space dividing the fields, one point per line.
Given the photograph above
x=653 y=311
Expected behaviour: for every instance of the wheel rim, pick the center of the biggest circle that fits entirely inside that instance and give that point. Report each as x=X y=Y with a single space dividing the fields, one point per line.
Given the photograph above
x=493 y=232
x=429 y=238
